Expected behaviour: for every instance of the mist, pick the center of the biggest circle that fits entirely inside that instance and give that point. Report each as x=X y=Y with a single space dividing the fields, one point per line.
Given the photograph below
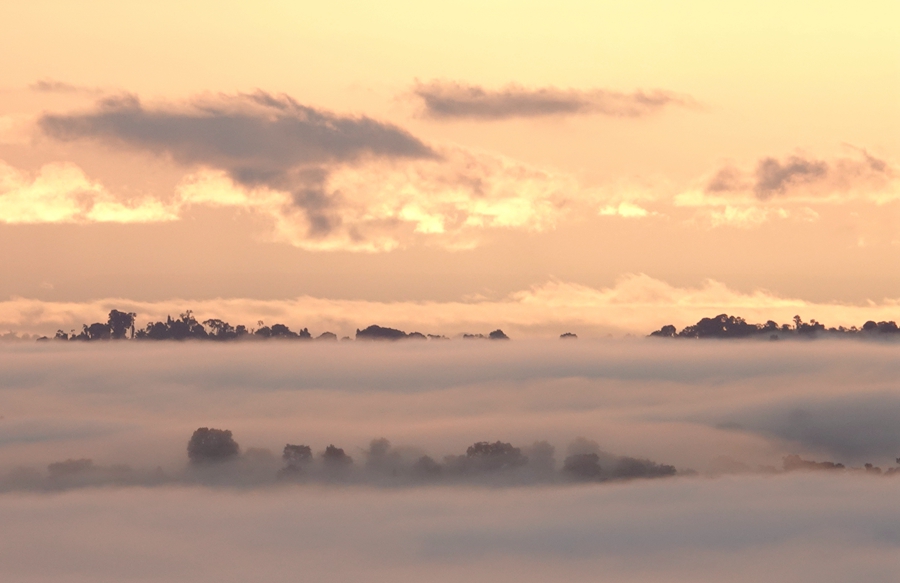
x=642 y=459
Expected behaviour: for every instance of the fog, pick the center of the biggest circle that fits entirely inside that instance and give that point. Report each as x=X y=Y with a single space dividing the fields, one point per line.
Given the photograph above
x=643 y=460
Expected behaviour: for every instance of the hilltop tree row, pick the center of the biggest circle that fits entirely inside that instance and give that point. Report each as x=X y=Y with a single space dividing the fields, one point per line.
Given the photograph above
x=121 y=326
x=725 y=326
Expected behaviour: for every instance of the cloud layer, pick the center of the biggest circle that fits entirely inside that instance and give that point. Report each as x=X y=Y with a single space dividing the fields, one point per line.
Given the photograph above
x=782 y=530
x=257 y=138
x=322 y=181
x=448 y=100
x=720 y=408
x=681 y=403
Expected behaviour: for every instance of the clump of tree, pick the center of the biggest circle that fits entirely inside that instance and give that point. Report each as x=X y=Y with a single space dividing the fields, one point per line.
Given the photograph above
x=375 y=332
x=121 y=325
x=497 y=334
x=794 y=462
x=487 y=456
x=282 y=331
x=118 y=326
x=336 y=457
x=426 y=467
x=725 y=326
x=294 y=456
x=211 y=445
x=181 y=328
x=583 y=466
x=587 y=462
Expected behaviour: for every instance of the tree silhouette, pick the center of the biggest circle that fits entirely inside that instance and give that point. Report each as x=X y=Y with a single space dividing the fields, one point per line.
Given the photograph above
x=120 y=323
x=211 y=445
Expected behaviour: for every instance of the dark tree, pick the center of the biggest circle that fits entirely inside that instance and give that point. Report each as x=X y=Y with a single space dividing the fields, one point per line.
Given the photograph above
x=498 y=335
x=629 y=467
x=583 y=466
x=795 y=462
x=336 y=456
x=495 y=456
x=378 y=449
x=97 y=331
x=426 y=466
x=667 y=331
x=296 y=454
x=722 y=326
x=220 y=329
x=571 y=336
x=211 y=445
x=375 y=332
x=69 y=467
x=120 y=324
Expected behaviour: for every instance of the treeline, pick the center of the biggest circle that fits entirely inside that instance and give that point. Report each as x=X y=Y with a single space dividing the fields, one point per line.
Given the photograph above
x=586 y=463
x=725 y=326
x=121 y=326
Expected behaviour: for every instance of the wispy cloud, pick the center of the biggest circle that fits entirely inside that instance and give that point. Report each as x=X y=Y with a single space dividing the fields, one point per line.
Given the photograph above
x=55 y=86
x=260 y=140
x=449 y=100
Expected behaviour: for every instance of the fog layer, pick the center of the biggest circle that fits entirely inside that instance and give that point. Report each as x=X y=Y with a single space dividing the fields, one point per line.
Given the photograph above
x=306 y=461
x=684 y=404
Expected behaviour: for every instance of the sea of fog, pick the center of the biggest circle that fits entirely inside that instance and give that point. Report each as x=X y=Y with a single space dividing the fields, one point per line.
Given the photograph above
x=691 y=438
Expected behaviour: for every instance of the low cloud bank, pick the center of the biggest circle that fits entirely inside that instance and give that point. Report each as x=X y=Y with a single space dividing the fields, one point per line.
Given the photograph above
x=790 y=528
x=471 y=407
x=479 y=478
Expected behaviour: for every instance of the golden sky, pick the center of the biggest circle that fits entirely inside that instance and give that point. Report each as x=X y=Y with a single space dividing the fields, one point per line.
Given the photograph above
x=454 y=156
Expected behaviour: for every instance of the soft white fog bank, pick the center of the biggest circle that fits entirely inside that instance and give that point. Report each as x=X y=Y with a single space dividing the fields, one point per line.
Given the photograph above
x=683 y=403
x=725 y=414
x=750 y=529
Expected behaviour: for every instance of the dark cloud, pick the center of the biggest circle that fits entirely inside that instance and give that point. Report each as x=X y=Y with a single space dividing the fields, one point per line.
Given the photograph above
x=774 y=177
x=258 y=139
x=777 y=177
x=445 y=100
x=727 y=179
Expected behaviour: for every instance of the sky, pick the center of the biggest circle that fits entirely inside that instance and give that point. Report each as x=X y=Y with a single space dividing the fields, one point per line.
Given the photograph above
x=600 y=168
x=444 y=155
